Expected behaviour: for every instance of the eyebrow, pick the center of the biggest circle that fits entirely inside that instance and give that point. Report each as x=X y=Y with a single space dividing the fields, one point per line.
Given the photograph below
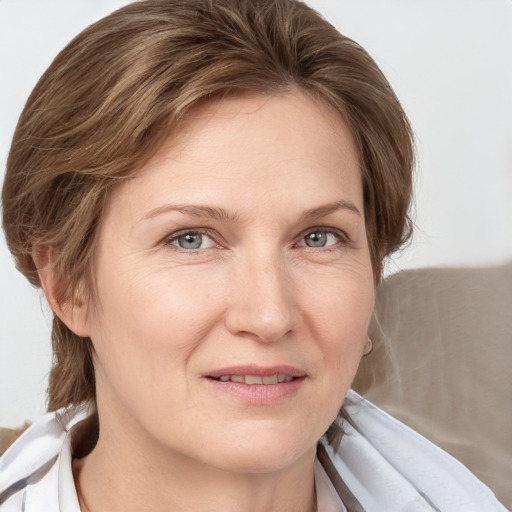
x=324 y=210
x=199 y=211
x=220 y=214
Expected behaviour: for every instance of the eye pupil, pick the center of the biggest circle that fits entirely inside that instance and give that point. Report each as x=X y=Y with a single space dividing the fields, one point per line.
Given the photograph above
x=190 y=241
x=316 y=239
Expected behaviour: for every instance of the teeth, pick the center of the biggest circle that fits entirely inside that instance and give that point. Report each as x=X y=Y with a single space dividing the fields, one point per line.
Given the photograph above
x=256 y=379
x=253 y=379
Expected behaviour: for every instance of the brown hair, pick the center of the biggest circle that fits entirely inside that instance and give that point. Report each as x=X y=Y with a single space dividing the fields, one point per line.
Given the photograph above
x=111 y=97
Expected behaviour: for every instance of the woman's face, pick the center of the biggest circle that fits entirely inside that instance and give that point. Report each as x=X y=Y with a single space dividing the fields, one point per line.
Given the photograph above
x=234 y=286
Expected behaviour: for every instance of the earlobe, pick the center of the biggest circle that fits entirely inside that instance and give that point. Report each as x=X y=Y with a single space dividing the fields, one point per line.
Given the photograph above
x=71 y=310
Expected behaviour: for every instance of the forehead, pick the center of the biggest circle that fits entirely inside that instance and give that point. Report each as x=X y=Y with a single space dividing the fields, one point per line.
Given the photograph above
x=255 y=120
x=277 y=145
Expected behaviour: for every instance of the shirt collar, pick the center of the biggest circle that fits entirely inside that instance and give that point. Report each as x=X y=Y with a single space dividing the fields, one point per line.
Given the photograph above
x=68 y=499
x=327 y=499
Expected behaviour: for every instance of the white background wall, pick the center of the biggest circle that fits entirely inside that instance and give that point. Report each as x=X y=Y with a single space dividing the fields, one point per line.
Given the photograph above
x=450 y=62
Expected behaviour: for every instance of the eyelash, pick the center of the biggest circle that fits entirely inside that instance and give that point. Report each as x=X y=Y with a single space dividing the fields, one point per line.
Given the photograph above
x=343 y=238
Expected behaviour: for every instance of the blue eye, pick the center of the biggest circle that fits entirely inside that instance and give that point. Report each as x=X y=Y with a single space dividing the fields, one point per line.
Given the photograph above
x=192 y=240
x=320 y=238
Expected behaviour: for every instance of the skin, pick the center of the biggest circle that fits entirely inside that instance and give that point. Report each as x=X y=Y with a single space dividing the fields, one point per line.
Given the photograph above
x=281 y=168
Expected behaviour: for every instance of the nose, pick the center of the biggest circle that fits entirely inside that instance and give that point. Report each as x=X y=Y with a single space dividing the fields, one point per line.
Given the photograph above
x=262 y=304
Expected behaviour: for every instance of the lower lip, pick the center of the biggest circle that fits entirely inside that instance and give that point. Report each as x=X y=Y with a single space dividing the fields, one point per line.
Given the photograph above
x=258 y=394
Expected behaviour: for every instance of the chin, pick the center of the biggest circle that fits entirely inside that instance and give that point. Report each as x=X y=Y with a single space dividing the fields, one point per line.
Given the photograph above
x=252 y=462
x=258 y=452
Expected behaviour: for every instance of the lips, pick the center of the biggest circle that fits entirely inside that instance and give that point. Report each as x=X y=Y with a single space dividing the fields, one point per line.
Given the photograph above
x=257 y=379
x=257 y=375
x=258 y=386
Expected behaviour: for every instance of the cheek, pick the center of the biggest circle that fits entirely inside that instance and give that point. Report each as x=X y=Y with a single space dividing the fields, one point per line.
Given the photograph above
x=340 y=303
x=338 y=320
x=145 y=318
x=338 y=317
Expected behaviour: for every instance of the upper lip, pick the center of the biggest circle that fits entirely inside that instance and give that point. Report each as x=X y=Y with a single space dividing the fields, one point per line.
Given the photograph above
x=260 y=371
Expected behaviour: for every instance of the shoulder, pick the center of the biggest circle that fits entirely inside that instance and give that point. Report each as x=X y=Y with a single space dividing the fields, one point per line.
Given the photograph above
x=9 y=435
x=390 y=467
x=33 y=461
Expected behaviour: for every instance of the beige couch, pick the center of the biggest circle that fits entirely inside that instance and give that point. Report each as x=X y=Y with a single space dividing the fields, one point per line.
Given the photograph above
x=442 y=363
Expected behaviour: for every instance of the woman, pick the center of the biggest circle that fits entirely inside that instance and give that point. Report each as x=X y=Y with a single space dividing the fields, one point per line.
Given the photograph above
x=206 y=191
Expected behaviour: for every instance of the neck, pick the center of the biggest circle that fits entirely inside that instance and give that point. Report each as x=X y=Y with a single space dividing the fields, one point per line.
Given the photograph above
x=115 y=478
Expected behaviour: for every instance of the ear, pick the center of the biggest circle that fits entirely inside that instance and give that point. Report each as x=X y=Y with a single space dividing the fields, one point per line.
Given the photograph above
x=71 y=310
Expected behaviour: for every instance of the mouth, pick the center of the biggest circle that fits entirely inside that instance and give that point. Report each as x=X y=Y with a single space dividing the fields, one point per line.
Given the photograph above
x=257 y=385
x=257 y=380
x=257 y=375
